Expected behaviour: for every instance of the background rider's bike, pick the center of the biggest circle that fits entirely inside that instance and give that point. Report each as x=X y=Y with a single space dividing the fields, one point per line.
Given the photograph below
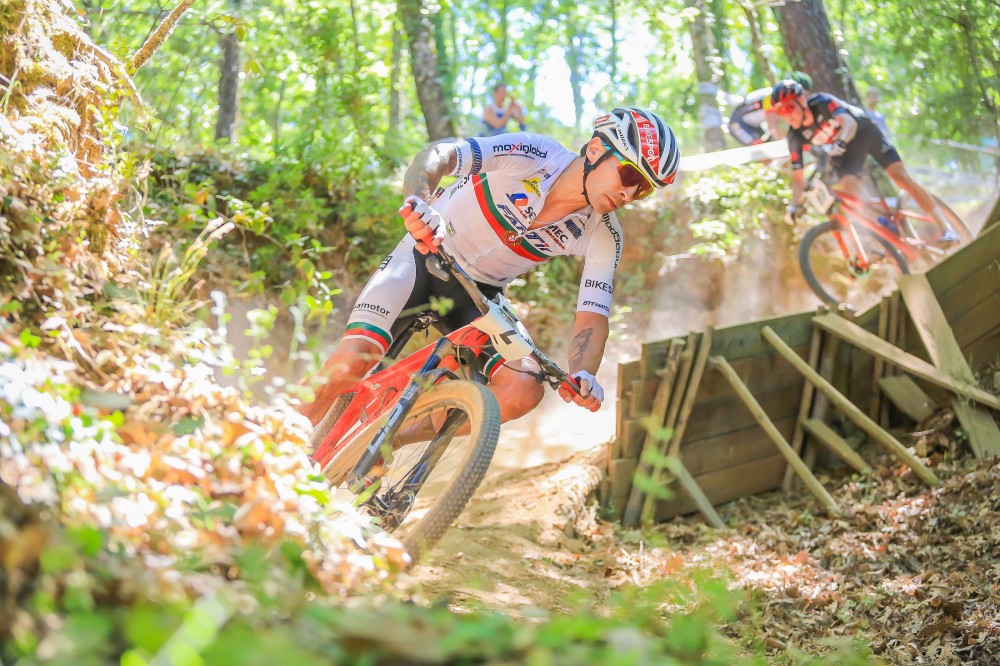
x=855 y=257
x=411 y=442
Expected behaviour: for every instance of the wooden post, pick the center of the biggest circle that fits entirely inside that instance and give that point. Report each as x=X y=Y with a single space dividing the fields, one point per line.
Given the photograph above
x=688 y=398
x=871 y=343
x=657 y=419
x=823 y=433
x=767 y=424
x=939 y=341
x=850 y=409
x=879 y=367
x=805 y=404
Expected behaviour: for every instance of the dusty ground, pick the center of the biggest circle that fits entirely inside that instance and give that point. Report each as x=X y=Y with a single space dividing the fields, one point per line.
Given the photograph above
x=908 y=571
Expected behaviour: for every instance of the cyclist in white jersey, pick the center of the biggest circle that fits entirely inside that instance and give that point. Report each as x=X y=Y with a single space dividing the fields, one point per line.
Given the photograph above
x=520 y=199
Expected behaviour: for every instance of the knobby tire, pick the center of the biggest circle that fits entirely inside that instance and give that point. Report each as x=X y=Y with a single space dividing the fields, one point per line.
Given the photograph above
x=813 y=237
x=483 y=419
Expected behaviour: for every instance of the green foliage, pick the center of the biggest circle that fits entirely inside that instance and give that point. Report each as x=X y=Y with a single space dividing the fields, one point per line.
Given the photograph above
x=731 y=205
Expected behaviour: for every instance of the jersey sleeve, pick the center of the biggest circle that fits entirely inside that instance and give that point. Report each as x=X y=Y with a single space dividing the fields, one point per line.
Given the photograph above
x=518 y=154
x=600 y=261
x=795 y=145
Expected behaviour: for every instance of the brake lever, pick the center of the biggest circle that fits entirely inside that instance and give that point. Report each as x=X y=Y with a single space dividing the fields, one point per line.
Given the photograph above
x=435 y=268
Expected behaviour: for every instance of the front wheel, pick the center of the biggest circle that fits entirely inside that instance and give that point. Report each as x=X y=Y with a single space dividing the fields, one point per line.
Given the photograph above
x=836 y=272
x=427 y=475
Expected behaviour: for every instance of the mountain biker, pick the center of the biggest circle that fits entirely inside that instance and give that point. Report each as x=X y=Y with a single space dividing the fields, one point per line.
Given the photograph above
x=825 y=120
x=519 y=200
x=753 y=121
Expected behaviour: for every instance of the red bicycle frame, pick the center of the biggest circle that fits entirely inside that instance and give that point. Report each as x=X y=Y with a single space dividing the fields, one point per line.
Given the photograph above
x=377 y=394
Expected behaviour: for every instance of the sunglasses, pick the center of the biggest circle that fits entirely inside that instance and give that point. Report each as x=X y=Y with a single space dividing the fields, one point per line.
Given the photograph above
x=631 y=175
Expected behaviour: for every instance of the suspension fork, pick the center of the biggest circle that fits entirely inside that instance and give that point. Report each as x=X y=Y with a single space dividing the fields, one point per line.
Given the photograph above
x=394 y=419
x=857 y=260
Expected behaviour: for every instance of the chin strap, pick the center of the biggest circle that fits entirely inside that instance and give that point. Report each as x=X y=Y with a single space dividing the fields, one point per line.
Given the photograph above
x=588 y=167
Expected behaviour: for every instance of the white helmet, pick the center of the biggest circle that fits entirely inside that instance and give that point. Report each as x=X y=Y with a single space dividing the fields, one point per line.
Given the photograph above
x=642 y=137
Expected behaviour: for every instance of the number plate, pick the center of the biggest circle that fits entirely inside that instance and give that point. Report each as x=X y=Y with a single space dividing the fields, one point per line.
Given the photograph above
x=820 y=197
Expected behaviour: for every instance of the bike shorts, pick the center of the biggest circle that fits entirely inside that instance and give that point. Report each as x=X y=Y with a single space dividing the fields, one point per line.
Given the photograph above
x=869 y=140
x=401 y=289
x=744 y=132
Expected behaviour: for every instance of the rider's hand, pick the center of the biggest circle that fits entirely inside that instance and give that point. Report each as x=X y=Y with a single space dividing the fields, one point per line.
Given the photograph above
x=590 y=394
x=793 y=213
x=837 y=148
x=422 y=222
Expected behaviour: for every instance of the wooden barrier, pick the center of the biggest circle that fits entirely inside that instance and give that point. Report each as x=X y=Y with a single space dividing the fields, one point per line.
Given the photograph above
x=885 y=364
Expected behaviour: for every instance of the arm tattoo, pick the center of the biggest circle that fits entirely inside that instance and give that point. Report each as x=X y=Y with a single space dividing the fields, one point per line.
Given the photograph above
x=579 y=345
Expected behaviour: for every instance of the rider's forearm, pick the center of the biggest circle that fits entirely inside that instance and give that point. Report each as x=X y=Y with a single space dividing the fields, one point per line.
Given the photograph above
x=848 y=127
x=798 y=185
x=428 y=168
x=590 y=334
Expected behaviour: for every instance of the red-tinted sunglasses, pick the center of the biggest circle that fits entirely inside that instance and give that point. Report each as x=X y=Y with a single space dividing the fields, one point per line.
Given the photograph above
x=631 y=175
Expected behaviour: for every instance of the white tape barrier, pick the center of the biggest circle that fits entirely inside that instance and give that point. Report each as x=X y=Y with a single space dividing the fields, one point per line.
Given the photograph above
x=735 y=156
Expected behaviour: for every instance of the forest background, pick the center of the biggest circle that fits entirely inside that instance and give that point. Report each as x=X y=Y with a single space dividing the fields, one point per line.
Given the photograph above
x=155 y=507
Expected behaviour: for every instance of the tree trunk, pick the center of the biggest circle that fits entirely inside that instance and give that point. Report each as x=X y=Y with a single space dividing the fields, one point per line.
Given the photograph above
x=225 y=125
x=704 y=53
x=809 y=46
x=502 y=42
x=394 y=126
x=760 y=57
x=423 y=64
x=573 y=61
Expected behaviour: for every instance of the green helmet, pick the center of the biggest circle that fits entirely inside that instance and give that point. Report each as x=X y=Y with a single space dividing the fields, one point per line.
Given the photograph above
x=802 y=79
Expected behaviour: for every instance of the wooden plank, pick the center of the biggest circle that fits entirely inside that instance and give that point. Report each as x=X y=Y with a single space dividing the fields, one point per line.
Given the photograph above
x=861 y=338
x=812 y=483
x=691 y=393
x=641 y=396
x=621 y=472
x=908 y=398
x=678 y=400
x=965 y=261
x=658 y=416
x=882 y=332
x=971 y=291
x=805 y=404
x=743 y=341
x=978 y=321
x=825 y=435
x=696 y=494
x=652 y=358
x=728 y=484
x=718 y=417
x=633 y=432
x=939 y=340
x=850 y=410
x=734 y=448
x=984 y=351
x=821 y=404
x=759 y=373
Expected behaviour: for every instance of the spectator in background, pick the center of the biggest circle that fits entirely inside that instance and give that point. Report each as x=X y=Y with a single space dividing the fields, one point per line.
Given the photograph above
x=753 y=121
x=877 y=116
x=496 y=115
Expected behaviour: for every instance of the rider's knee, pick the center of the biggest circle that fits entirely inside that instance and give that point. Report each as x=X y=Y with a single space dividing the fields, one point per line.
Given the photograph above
x=517 y=394
x=352 y=359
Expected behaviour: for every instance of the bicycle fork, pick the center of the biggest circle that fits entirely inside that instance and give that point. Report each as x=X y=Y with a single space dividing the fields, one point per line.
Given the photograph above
x=394 y=420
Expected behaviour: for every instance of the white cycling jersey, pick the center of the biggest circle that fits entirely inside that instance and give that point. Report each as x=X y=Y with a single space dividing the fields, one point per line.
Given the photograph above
x=502 y=185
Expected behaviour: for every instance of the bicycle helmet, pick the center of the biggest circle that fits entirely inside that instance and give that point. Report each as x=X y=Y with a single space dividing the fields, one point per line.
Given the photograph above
x=785 y=92
x=643 y=138
x=803 y=79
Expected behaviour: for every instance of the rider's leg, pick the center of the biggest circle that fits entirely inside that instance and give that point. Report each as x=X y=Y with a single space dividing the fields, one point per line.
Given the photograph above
x=513 y=385
x=353 y=358
x=901 y=177
x=516 y=389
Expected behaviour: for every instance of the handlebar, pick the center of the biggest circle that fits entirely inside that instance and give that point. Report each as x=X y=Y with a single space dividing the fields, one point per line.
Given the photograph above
x=443 y=266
